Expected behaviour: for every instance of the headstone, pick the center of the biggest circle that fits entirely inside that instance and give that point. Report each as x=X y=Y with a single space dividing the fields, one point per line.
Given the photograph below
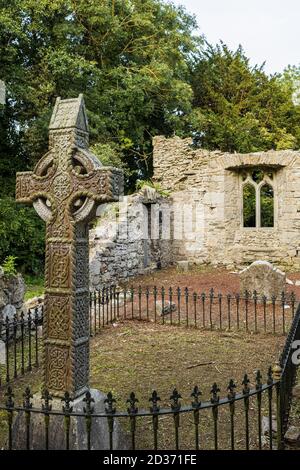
x=64 y=188
x=264 y=278
x=78 y=434
x=2 y=353
x=2 y=92
x=183 y=266
x=165 y=308
x=292 y=435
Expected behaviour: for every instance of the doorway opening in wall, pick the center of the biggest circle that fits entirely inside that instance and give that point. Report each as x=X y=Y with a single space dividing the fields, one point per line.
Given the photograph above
x=258 y=198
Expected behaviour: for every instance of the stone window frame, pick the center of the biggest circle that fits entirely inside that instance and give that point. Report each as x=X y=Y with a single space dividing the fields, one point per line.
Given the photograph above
x=257 y=186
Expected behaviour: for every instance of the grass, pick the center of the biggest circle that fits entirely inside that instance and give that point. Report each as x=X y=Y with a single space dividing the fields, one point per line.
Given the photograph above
x=140 y=357
x=34 y=286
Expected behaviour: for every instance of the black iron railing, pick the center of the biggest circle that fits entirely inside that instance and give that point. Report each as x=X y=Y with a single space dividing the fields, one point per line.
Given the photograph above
x=20 y=341
x=20 y=344
x=207 y=310
x=234 y=421
x=202 y=419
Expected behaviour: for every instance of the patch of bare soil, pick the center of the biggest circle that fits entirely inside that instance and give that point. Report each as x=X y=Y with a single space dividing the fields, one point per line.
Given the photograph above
x=201 y=279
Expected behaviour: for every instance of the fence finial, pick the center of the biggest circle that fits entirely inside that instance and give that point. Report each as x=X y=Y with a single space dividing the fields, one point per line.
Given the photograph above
x=277 y=371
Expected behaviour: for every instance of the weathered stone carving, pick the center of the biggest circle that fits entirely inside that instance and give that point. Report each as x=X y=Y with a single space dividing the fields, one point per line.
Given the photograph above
x=264 y=278
x=64 y=189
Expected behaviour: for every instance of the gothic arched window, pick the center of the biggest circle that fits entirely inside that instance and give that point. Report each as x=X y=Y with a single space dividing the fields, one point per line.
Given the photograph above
x=258 y=198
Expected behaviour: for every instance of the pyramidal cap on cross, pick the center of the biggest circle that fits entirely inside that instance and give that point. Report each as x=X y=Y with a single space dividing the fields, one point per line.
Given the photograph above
x=65 y=188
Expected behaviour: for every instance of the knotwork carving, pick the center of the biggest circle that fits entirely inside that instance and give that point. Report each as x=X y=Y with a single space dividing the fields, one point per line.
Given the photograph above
x=59 y=315
x=65 y=187
x=60 y=265
x=82 y=366
x=57 y=367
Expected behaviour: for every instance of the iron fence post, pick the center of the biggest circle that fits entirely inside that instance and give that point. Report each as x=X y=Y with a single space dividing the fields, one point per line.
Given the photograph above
x=277 y=376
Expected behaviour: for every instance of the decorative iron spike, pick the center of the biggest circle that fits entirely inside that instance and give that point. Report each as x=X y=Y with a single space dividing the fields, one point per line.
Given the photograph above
x=195 y=296
x=258 y=380
x=154 y=399
x=186 y=291
x=247 y=294
x=132 y=400
x=88 y=400
x=196 y=393
x=231 y=390
x=255 y=295
x=203 y=296
x=9 y=403
x=175 y=405
x=245 y=383
x=214 y=392
x=46 y=406
x=264 y=299
x=211 y=293
x=110 y=409
x=170 y=291
x=147 y=291
x=67 y=400
x=277 y=371
x=27 y=395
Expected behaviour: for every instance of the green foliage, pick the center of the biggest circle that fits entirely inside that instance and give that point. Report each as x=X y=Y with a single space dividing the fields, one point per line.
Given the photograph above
x=34 y=286
x=22 y=235
x=267 y=206
x=129 y=57
x=140 y=184
x=9 y=265
x=143 y=73
x=238 y=107
x=249 y=206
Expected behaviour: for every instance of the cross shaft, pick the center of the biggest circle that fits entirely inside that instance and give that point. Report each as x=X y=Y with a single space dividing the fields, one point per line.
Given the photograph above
x=64 y=188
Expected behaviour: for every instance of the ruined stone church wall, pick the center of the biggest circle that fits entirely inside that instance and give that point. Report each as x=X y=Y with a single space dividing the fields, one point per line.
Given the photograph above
x=210 y=181
x=120 y=246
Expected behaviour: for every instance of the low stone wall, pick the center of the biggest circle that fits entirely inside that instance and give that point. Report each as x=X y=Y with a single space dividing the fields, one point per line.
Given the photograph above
x=12 y=290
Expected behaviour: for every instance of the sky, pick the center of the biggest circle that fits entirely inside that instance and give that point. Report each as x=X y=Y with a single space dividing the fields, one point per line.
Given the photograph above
x=268 y=30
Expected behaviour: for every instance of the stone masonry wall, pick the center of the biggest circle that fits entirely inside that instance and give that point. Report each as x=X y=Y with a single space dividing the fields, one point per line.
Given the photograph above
x=12 y=291
x=120 y=246
x=210 y=182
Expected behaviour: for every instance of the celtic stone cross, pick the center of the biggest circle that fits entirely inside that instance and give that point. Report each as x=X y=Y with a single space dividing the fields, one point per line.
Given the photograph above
x=64 y=188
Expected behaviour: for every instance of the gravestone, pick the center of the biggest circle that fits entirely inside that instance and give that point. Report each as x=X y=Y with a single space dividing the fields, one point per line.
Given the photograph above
x=264 y=278
x=64 y=188
x=2 y=92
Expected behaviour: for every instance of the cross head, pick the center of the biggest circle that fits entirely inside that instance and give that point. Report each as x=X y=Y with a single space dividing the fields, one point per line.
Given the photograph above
x=65 y=188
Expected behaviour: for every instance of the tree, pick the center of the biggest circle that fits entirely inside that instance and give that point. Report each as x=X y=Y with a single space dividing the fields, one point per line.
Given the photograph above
x=238 y=107
x=128 y=57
